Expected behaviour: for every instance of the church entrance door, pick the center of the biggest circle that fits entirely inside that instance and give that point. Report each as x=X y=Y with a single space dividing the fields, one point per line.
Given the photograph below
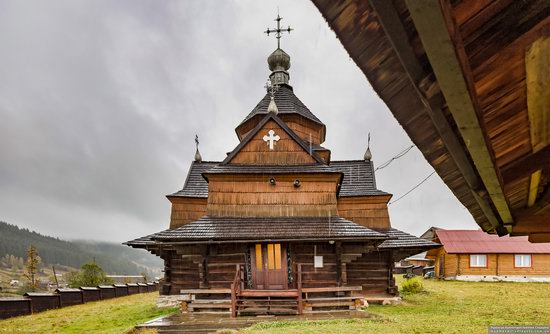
x=269 y=267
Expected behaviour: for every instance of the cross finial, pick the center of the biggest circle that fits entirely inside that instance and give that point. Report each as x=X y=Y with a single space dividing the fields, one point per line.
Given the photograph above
x=368 y=154
x=278 y=31
x=198 y=157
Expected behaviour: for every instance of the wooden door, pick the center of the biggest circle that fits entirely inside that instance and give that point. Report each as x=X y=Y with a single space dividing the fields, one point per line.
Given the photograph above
x=269 y=267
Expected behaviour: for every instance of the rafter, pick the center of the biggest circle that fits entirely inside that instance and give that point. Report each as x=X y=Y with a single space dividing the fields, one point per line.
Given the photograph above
x=444 y=48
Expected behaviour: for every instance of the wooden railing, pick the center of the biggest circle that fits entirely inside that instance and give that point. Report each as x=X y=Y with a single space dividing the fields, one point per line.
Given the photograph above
x=235 y=290
x=299 y=288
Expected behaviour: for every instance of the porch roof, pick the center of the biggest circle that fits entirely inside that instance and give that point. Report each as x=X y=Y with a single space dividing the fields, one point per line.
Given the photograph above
x=246 y=229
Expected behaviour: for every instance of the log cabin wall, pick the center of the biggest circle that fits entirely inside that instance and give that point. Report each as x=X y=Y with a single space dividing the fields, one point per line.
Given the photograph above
x=186 y=210
x=368 y=211
x=181 y=269
x=307 y=130
x=222 y=262
x=316 y=277
x=372 y=271
x=286 y=152
x=497 y=265
x=202 y=266
x=253 y=196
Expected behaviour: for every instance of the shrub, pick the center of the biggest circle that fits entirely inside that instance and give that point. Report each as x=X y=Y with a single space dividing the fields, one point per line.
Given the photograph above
x=412 y=286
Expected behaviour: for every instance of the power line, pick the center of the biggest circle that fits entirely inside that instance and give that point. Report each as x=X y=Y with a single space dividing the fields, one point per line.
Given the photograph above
x=399 y=155
x=413 y=188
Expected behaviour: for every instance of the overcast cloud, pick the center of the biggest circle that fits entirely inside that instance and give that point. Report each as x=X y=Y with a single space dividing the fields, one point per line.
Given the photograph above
x=100 y=102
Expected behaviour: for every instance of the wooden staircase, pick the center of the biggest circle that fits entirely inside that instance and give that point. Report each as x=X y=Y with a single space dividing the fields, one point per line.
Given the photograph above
x=267 y=302
x=240 y=301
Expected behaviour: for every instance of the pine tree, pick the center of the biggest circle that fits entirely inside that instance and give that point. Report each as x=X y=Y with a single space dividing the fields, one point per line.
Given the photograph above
x=32 y=266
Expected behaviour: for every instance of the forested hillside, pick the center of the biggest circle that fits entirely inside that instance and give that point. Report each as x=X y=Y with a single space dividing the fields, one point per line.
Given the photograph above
x=113 y=258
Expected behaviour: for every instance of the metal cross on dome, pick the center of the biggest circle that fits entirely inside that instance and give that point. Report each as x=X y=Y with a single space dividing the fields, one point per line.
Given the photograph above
x=271 y=139
x=278 y=31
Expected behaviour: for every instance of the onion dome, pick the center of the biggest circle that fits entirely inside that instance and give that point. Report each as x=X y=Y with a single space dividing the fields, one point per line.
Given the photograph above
x=279 y=63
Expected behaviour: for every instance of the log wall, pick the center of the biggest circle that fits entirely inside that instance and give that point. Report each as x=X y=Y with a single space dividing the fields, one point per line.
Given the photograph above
x=186 y=210
x=253 y=196
x=497 y=265
x=373 y=272
x=368 y=211
x=316 y=277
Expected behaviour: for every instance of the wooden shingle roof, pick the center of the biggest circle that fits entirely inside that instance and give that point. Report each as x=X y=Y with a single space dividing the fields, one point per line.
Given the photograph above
x=287 y=103
x=400 y=239
x=235 y=229
x=358 y=178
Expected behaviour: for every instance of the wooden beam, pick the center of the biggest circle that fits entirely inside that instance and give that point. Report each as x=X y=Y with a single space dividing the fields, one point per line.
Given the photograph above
x=444 y=48
x=533 y=188
x=525 y=165
x=396 y=34
x=539 y=237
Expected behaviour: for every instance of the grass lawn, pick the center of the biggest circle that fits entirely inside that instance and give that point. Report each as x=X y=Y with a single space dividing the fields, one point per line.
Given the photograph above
x=445 y=307
x=118 y=315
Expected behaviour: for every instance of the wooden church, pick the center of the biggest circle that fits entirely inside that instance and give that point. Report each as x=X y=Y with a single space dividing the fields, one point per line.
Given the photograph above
x=277 y=226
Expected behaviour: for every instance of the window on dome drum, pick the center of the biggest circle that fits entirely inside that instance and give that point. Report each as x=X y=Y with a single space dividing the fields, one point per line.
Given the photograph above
x=522 y=260
x=478 y=260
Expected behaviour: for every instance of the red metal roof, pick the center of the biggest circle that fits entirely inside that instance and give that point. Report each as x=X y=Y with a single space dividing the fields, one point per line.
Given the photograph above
x=477 y=241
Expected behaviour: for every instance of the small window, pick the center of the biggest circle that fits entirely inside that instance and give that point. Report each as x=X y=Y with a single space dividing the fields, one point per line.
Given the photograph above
x=522 y=260
x=478 y=260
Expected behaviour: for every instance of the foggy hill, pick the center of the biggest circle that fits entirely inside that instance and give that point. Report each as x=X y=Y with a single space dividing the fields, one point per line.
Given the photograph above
x=113 y=258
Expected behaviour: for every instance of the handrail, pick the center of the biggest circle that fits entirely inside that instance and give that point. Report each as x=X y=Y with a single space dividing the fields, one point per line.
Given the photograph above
x=299 y=288
x=235 y=290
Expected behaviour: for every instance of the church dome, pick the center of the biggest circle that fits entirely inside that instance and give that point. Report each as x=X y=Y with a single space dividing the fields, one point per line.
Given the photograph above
x=278 y=61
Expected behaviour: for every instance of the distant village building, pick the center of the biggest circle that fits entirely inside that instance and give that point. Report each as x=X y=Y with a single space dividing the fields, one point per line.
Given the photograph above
x=277 y=219
x=473 y=255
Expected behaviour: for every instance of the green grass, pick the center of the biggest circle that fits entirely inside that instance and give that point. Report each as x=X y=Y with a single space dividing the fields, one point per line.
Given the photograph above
x=445 y=307
x=118 y=315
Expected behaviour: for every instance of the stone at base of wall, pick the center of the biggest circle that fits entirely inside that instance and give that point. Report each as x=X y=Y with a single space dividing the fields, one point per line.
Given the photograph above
x=501 y=278
x=171 y=300
x=396 y=300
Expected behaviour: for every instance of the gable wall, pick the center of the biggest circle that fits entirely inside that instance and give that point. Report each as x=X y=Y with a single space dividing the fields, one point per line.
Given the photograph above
x=368 y=211
x=253 y=196
x=186 y=210
x=300 y=125
x=286 y=151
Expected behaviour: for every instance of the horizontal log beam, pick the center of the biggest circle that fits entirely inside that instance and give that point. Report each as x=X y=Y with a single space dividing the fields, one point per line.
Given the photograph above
x=395 y=32
x=445 y=50
x=539 y=237
x=526 y=165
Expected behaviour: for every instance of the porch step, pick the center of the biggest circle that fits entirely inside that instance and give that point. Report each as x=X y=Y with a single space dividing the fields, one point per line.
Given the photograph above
x=269 y=293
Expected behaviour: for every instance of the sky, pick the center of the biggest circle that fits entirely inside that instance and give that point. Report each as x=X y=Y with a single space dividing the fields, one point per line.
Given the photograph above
x=100 y=102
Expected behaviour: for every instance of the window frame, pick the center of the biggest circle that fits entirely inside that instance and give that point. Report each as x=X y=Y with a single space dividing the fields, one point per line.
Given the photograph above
x=479 y=266
x=530 y=257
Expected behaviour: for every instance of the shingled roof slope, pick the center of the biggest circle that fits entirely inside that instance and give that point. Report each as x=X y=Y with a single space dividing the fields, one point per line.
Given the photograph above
x=263 y=228
x=195 y=185
x=400 y=239
x=359 y=178
x=287 y=103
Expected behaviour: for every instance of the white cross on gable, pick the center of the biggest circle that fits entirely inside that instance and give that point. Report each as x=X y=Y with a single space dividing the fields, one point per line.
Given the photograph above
x=271 y=139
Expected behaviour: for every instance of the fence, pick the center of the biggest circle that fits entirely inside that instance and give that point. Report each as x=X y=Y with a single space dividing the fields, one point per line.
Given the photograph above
x=34 y=302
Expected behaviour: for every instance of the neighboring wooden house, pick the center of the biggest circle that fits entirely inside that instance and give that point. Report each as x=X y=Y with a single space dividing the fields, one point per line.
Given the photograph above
x=475 y=255
x=277 y=221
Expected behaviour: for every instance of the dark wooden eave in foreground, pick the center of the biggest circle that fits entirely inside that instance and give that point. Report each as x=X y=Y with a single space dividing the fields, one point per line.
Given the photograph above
x=456 y=76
